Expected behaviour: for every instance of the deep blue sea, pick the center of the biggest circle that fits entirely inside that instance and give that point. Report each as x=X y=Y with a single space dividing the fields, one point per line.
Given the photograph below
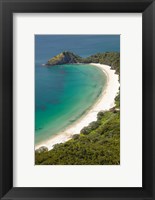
x=64 y=93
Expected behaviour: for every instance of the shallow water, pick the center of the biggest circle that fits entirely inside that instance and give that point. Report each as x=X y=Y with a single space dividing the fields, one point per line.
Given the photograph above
x=63 y=94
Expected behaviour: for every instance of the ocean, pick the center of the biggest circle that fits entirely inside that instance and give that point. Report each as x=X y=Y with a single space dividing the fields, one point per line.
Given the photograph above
x=64 y=93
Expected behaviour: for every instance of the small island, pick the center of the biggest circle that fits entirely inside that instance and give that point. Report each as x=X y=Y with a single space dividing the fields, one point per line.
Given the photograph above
x=95 y=138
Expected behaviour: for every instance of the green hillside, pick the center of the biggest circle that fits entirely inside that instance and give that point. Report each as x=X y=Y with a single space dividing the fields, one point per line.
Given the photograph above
x=97 y=144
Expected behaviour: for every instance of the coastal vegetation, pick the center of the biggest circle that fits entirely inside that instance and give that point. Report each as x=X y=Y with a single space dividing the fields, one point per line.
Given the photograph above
x=64 y=58
x=109 y=58
x=99 y=142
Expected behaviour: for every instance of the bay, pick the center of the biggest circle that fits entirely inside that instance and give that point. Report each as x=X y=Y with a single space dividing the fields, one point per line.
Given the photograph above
x=64 y=93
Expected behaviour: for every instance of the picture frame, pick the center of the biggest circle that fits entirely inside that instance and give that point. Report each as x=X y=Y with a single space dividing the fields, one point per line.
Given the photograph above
x=8 y=7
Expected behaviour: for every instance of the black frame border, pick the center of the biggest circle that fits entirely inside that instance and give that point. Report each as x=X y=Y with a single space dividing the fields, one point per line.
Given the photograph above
x=7 y=8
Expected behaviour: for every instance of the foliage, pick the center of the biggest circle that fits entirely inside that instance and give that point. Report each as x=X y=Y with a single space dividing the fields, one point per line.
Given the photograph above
x=99 y=145
x=109 y=58
x=63 y=58
x=117 y=100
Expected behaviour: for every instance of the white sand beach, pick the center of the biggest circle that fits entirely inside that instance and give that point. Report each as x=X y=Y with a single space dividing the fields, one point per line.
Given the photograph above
x=105 y=102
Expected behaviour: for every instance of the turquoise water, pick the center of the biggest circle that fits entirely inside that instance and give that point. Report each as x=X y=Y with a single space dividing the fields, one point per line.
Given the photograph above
x=63 y=93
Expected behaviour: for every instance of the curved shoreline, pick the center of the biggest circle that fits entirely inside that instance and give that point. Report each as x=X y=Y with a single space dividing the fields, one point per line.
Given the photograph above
x=104 y=103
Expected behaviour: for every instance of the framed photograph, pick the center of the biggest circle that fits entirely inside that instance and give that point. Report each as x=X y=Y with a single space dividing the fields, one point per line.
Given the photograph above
x=77 y=99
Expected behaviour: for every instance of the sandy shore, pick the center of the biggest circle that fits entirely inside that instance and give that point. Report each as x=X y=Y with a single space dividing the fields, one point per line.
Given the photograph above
x=105 y=102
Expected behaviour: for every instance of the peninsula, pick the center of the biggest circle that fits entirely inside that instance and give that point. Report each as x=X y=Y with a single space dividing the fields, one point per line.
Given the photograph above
x=108 y=58
x=64 y=58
